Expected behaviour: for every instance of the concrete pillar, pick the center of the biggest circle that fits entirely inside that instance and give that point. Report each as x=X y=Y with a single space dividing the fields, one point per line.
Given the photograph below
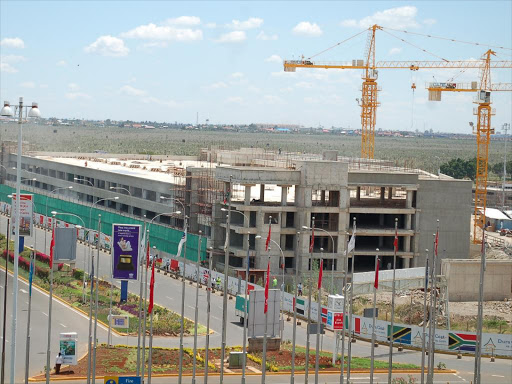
x=245 y=243
x=247 y=197
x=408 y=201
x=381 y=241
x=284 y=195
x=262 y=192
x=407 y=243
x=283 y=219
x=144 y=194
x=408 y=221
x=390 y=193
x=382 y=193
x=358 y=196
x=406 y=262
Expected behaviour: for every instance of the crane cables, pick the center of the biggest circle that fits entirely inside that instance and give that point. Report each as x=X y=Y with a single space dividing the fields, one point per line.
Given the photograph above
x=337 y=44
x=448 y=39
x=417 y=47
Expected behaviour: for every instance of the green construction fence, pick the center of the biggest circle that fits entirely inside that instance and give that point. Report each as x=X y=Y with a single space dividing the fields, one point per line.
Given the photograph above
x=165 y=239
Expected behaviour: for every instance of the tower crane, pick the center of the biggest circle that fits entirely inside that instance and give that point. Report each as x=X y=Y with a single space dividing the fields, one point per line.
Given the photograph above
x=483 y=129
x=369 y=98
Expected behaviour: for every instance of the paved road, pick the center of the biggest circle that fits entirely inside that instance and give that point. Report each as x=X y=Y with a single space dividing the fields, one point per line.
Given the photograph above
x=168 y=294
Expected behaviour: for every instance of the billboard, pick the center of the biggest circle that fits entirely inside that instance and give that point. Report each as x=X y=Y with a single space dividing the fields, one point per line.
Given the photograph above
x=68 y=347
x=126 y=247
x=65 y=243
x=26 y=212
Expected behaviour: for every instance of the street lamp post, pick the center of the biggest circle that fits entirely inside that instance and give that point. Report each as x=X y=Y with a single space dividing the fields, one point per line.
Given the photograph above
x=295 y=282
x=34 y=112
x=46 y=212
x=50 y=302
x=84 y=180
x=120 y=189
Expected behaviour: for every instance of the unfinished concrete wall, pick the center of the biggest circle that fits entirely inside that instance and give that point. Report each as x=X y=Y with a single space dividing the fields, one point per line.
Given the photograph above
x=450 y=202
x=463 y=277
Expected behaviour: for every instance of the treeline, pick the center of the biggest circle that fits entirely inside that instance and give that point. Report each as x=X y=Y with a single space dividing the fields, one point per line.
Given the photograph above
x=466 y=169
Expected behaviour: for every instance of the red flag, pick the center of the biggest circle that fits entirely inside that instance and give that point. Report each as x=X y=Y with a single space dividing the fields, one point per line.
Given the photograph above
x=376 y=284
x=395 y=243
x=151 y=289
x=266 y=287
x=147 y=256
x=52 y=246
x=320 y=274
x=268 y=237
x=312 y=240
x=436 y=242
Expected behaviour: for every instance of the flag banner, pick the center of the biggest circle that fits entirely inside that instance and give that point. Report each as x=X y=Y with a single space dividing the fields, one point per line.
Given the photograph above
x=52 y=246
x=464 y=342
x=183 y=240
x=266 y=287
x=267 y=243
x=351 y=244
x=226 y=196
x=151 y=288
x=125 y=257
x=400 y=334
x=320 y=274
x=147 y=254
x=26 y=214
x=426 y=277
x=312 y=243
x=436 y=242
x=395 y=243
x=376 y=284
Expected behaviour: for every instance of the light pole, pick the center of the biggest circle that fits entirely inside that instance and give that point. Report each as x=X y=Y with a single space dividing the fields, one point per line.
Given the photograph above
x=28 y=179
x=333 y=253
x=50 y=302
x=46 y=211
x=55 y=213
x=121 y=189
x=208 y=290
x=34 y=112
x=83 y=180
x=29 y=312
x=506 y=127
x=297 y=254
x=196 y=314
x=244 y=340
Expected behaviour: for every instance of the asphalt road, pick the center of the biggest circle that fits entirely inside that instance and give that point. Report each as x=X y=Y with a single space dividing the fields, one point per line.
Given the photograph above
x=168 y=294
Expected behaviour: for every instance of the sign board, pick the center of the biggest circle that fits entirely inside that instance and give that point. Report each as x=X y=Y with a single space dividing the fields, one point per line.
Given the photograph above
x=121 y=380
x=313 y=329
x=334 y=320
x=26 y=212
x=335 y=302
x=256 y=317
x=126 y=251
x=65 y=243
x=120 y=321
x=68 y=347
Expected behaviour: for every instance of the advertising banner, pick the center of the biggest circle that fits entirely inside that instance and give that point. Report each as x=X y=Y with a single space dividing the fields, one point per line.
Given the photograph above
x=120 y=321
x=126 y=251
x=26 y=212
x=68 y=347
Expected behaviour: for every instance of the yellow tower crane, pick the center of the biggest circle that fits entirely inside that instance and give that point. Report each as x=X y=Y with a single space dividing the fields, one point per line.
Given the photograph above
x=369 y=100
x=483 y=129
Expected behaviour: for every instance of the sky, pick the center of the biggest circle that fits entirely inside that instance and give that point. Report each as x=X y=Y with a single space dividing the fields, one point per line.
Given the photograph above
x=169 y=61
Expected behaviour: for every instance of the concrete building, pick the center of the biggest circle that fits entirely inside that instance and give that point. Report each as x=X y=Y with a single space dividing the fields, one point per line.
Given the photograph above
x=288 y=190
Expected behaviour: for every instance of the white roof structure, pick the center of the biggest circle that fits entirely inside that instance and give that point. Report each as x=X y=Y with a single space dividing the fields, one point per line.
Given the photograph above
x=493 y=213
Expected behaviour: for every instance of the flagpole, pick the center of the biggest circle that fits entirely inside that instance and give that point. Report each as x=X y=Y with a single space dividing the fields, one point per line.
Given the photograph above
x=246 y=310
x=183 y=285
x=319 y=315
x=432 y=315
x=150 y=357
x=264 y=353
x=350 y=308
x=141 y=279
x=344 y=291
x=392 y=329
x=434 y=283
x=144 y=326
x=30 y=278
x=208 y=290
x=478 y=344
x=226 y=277
x=96 y=304
x=91 y=278
x=4 y=323
x=295 y=282
x=373 y=314
x=48 y=347
x=196 y=309
x=306 y=373
x=423 y=340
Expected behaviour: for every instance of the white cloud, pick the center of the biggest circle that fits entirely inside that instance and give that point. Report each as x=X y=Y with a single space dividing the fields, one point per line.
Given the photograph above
x=232 y=37
x=73 y=86
x=155 y=44
x=211 y=25
x=61 y=63
x=272 y=99
x=77 y=96
x=400 y=17
x=274 y=59
x=250 y=23
x=217 y=85
x=108 y=46
x=28 y=84
x=154 y=32
x=12 y=42
x=165 y=103
x=44 y=86
x=184 y=20
x=254 y=89
x=304 y=84
x=237 y=75
x=305 y=28
x=394 y=51
x=131 y=91
x=263 y=36
x=429 y=21
x=6 y=67
x=6 y=62
x=235 y=100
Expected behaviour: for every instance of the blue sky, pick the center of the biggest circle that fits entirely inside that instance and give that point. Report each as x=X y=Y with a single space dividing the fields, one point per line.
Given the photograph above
x=165 y=61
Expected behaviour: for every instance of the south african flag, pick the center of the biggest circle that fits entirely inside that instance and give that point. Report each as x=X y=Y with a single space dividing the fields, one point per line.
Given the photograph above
x=461 y=341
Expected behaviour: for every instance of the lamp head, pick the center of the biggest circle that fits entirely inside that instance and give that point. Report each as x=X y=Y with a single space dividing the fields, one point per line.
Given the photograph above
x=70 y=187
x=178 y=212
x=305 y=227
x=111 y=188
x=116 y=198
x=6 y=110
x=224 y=209
x=78 y=226
x=34 y=111
x=257 y=237
x=54 y=213
x=9 y=196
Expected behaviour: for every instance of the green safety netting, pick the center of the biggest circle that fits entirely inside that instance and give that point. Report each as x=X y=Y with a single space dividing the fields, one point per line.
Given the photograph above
x=165 y=239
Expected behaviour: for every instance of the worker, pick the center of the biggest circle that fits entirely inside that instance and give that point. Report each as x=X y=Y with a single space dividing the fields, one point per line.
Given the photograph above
x=299 y=289
x=274 y=282
x=218 y=282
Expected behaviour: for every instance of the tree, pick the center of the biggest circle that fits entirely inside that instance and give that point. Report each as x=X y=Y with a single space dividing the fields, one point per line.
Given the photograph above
x=460 y=168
